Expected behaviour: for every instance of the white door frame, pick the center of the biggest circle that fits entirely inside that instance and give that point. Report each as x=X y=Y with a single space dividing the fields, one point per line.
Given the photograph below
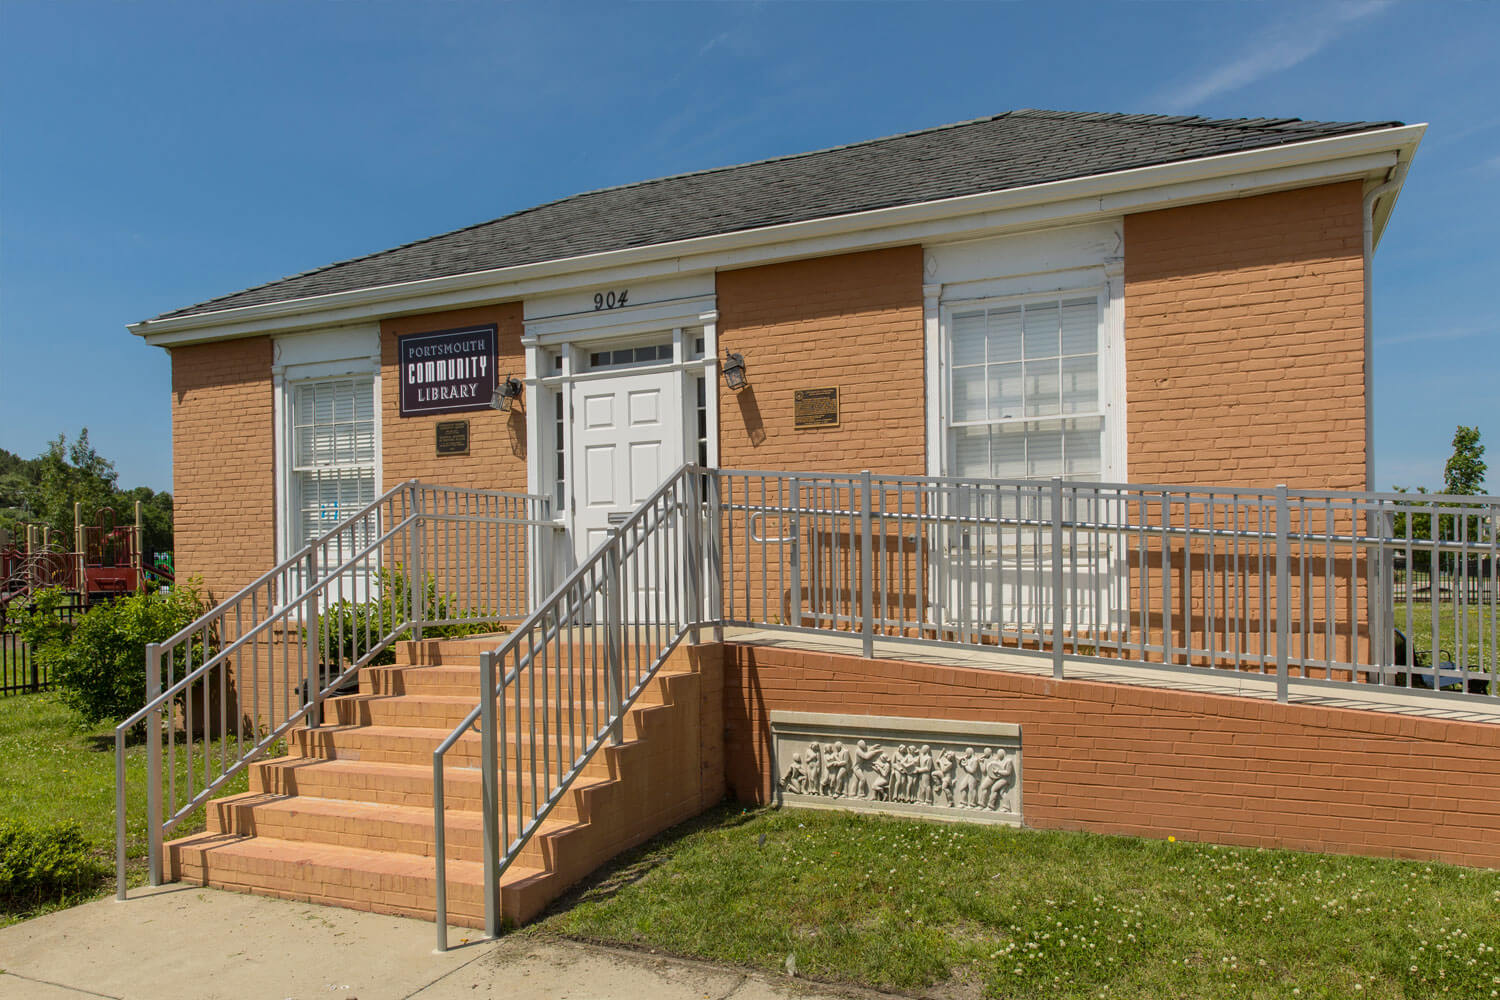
x=557 y=352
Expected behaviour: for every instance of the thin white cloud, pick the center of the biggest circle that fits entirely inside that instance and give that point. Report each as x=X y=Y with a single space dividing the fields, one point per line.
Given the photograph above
x=713 y=43
x=1424 y=336
x=1288 y=44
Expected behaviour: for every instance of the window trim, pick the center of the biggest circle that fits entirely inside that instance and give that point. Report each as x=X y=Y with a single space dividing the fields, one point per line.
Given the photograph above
x=285 y=380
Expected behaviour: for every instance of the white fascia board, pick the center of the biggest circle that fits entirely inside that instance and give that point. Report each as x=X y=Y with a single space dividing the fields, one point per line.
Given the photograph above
x=1362 y=154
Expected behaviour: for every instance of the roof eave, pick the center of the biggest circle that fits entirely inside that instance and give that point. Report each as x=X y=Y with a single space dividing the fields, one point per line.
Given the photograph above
x=1357 y=153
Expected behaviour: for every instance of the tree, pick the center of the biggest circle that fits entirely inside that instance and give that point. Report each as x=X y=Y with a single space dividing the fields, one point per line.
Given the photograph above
x=1463 y=475
x=43 y=490
x=71 y=473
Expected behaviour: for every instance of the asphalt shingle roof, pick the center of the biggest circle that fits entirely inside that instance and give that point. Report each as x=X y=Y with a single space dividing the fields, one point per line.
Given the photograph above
x=1010 y=150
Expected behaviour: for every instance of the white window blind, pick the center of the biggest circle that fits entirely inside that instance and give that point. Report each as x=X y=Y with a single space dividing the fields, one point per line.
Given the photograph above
x=1024 y=399
x=333 y=453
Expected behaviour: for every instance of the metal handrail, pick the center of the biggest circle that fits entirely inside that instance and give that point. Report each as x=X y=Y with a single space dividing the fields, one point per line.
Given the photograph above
x=325 y=613
x=666 y=527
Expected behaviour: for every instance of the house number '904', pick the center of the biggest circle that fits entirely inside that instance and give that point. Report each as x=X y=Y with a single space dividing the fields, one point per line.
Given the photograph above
x=610 y=300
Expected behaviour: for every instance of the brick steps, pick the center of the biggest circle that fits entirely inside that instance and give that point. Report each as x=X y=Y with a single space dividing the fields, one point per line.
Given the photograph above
x=388 y=784
x=447 y=711
x=347 y=817
x=365 y=825
x=340 y=875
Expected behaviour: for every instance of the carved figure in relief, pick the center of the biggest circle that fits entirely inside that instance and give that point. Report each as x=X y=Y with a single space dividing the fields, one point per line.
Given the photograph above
x=796 y=777
x=924 y=775
x=814 y=759
x=1000 y=770
x=836 y=762
x=896 y=791
x=943 y=777
x=982 y=796
x=964 y=784
x=871 y=782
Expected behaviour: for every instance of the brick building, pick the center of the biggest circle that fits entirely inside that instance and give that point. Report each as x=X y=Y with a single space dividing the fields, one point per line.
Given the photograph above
x=949 y=354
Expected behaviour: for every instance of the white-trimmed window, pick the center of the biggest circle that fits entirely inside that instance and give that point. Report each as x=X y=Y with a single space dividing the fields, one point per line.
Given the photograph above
x=333 y=446
x=1025 y=397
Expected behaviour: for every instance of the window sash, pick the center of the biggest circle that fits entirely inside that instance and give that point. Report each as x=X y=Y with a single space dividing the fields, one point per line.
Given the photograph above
x=333 y=462
x=1001 y=355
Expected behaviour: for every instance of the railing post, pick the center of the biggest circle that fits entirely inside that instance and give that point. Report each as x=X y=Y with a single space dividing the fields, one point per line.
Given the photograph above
x=716 y=554
x=1283 y=591
x=417 y=572
x=694 y=545
x=439 y=853
x=1059 y=603
x=489 y=784
x=794 y=487
x=614 y=628
x=866 y=567
x=313 y=639
x=153 y=762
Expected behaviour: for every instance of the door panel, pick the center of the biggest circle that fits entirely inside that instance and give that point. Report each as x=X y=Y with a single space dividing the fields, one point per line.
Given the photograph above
x=627 y=443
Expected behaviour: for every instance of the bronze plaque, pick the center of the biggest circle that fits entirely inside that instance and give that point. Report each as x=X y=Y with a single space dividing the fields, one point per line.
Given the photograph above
x=815 y=408
x=453 y=437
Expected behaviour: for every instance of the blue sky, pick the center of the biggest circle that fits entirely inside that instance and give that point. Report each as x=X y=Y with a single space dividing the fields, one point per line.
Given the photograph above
x=153 y=155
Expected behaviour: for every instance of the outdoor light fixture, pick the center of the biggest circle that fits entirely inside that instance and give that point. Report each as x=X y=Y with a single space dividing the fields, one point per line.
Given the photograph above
x=734 y=370
x=505 y=394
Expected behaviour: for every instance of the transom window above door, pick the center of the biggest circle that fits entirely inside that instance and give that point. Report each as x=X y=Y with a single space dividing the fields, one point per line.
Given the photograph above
x=631 y=357
x=1025 y=398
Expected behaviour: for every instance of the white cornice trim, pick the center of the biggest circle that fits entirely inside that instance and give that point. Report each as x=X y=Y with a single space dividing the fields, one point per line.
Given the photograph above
x=1319 y=161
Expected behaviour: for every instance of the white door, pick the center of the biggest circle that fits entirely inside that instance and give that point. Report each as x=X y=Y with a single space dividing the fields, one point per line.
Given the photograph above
x=627 y=438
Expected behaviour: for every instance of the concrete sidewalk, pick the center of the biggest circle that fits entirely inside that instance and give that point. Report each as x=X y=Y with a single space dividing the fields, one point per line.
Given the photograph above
x=193 y=943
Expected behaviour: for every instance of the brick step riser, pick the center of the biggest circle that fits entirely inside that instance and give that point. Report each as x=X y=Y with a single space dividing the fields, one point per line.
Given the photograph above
x=468 y=656
x=413 y=712
x=358 y=744
x=464 y=836
x=410 y=896
x=458 y=795
x=449 y=682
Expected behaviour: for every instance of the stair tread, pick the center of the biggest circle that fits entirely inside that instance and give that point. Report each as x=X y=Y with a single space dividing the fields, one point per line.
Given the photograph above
x=341 y=857
x=395 y=769
x=324 y=806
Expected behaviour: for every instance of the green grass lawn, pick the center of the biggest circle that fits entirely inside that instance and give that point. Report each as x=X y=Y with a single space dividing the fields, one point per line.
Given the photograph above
x=998 y=912
x=1479 y=636
x=53 y=769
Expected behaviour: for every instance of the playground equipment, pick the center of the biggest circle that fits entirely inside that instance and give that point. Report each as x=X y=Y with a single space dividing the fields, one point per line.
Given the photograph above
x=104 y=561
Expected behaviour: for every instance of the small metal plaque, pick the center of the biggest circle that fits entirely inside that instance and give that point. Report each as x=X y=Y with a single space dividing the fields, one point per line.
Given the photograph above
x=453 y=437
x=815 y=408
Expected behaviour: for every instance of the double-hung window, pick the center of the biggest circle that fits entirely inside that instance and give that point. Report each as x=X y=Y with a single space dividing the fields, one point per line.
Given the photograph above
x=1025 y=397
x=333 y=454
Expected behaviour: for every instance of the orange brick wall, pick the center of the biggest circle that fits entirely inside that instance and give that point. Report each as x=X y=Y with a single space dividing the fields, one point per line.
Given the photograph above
x=852 y=321
x=1153 y=763
x=496 y=461
x=223 y=482
x=1244 y=341
x=497 y=441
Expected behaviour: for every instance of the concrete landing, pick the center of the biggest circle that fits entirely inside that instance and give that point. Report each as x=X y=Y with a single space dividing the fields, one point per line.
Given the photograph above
x=1198 y=680
x=191 y=943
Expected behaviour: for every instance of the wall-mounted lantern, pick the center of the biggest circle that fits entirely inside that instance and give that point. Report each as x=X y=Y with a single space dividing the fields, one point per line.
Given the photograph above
x=734 y=370
x=506 y=394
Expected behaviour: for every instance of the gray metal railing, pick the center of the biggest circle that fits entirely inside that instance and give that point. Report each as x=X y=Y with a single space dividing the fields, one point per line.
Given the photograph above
x=557 y=688
x=1299 y=584
x=225 y=689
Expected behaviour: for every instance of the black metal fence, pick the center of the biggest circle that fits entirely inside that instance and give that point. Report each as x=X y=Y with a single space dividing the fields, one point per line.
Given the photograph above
x=1471 y=580
x=20 y=670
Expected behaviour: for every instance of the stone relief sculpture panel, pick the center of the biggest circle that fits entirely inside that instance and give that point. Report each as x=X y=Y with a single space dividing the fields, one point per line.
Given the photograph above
x=953 y=770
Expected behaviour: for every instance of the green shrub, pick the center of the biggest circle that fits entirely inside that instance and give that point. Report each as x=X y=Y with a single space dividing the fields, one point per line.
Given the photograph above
x=42 y=864
x=343 y=626
x=99 y=664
